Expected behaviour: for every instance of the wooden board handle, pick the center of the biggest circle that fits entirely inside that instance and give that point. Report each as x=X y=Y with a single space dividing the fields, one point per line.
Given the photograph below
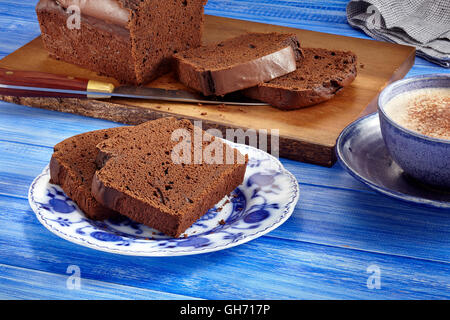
x=50 y=81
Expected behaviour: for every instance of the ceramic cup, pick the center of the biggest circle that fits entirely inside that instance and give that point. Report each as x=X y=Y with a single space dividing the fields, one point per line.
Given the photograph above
x=424 y=158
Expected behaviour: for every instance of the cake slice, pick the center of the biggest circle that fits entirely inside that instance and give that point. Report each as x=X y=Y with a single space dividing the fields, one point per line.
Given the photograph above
x=238 y=63
x=142 y=175
x=129 y=40
x=72 y=166
x=320 y=74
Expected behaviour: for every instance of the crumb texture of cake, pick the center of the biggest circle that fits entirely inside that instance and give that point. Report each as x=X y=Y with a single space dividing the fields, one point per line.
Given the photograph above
x=320 y=74
x=140 y=178
x=73 y=165
x=130 y=40
x=238 y=63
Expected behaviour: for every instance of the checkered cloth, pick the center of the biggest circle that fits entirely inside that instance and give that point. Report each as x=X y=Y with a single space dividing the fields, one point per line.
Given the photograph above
x=424 y=24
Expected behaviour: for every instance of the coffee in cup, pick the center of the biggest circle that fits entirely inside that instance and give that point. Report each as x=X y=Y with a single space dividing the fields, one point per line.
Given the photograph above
x=426 y=111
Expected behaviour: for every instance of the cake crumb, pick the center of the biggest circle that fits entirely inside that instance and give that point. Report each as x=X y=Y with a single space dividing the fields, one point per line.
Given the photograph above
x=222 y=222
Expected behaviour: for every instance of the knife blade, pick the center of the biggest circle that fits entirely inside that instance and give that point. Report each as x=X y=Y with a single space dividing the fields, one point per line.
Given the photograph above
x=39 y=84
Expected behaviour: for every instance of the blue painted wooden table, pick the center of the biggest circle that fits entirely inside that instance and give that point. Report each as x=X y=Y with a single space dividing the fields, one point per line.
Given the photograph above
x=341 y=236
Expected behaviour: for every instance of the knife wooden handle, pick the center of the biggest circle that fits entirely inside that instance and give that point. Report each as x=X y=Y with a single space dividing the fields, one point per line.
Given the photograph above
x=50 y=81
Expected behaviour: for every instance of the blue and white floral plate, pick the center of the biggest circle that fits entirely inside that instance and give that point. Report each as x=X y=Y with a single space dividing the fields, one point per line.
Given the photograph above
x=264 y=201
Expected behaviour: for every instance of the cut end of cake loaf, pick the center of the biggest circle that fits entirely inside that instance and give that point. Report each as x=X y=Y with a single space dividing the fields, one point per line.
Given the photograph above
x=238 y=63
x=72 y=167
x=161 y=29
x=320 y=74
x=130 y=40
x=141 y=178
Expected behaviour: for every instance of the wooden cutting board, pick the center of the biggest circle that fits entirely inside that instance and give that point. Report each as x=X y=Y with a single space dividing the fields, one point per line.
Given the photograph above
x=307 y=135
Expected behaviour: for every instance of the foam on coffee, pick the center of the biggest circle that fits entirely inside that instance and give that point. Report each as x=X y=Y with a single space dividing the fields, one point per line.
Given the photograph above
x=426 y=111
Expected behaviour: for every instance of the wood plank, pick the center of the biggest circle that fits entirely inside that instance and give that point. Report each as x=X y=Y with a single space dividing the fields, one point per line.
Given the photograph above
x=28 y=284
x=298 y=270
x=307 y=135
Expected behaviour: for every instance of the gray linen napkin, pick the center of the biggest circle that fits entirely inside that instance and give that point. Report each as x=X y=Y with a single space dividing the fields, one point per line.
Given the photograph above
x=424 y=24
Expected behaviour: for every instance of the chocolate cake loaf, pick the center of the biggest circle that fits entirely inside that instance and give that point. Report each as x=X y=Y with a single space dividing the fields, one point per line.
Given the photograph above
x=319 y=76
x=238 y=63
x=72 y=166
x=130 y=40
x=141 y=177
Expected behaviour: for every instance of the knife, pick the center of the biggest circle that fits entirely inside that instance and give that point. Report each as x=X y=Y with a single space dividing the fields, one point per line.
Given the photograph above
x=39 y=84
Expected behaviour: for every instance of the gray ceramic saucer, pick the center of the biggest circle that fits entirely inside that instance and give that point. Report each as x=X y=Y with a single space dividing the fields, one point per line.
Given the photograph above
x=362 y=152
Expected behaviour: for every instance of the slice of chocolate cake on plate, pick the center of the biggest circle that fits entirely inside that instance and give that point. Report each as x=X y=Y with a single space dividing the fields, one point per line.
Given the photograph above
x=73 y=165
x=158 y=175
